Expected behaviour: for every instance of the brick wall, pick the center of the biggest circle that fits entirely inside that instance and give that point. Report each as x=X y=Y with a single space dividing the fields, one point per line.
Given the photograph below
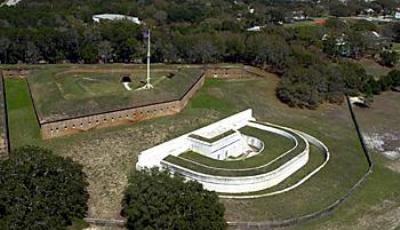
x=127 y=116
x=225 y=72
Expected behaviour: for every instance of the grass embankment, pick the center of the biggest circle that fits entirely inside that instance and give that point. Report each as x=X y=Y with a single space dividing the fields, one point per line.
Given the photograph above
x=317 y=157
x=265 y=161
x=67 y=92
x=23 y=126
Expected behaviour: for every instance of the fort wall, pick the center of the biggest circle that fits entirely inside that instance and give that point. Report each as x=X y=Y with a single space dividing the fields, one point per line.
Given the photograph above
x=134 y=114
x=113 y=118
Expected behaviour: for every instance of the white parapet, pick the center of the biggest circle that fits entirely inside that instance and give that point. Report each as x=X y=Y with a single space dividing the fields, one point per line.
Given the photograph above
x=225 y=131
x=152 y=157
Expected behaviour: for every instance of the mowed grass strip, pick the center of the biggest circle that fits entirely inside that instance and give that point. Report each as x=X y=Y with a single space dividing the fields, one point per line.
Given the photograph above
x=275 y=145
x=23 y=126
x=317 y=157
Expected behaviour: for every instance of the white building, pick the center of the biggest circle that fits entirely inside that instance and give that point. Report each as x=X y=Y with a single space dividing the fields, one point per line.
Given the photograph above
x=115 y=17
x=219 y=140
x=397 y=15
x=219 y=146
x=10 y=3
x=255 y=29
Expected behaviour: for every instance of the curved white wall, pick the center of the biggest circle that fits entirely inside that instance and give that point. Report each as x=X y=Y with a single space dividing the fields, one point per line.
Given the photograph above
x=245 y=183
x=235 y=184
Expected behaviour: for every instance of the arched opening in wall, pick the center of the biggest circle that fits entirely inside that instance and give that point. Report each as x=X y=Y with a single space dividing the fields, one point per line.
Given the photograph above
x=126 y=79
x=170 y=75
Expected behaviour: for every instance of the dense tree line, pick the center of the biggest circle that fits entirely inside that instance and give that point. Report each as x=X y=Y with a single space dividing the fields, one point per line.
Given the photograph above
x=207 y=32
x=39 y=190
x=356 y=7
x=157 y=200
x=63 y=31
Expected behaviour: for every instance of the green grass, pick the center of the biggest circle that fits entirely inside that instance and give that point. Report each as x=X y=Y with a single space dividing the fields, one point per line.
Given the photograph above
x=212 y=100
x=317 y=157
x=110 y=154
x=366 y=207
x=259 y=160
x=23 y=126
x=66 y=92
x=212 y=139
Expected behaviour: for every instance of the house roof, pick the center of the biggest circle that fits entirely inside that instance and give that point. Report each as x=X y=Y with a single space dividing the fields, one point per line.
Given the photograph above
x=113 y=17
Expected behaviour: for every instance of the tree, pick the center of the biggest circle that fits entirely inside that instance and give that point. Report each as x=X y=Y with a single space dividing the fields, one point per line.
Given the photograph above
x=395 y=75
x=392 y=79
x=89 y=53
x=302 y=87
x=4 y=45
x=388 y=57
x=156 y=200
x=105 y=51
x=39 y=190
x=338 y=9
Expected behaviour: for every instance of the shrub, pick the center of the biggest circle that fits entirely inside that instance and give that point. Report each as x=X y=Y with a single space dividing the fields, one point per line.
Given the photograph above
x=156 y=200
x=39 y=190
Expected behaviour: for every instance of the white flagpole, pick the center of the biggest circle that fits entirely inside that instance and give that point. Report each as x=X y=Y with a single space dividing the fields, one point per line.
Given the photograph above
x=148 y=83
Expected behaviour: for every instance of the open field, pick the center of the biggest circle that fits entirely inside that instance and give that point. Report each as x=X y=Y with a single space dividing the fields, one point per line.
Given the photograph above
x=381 y=127
x=68 y=92
x=377 y=205
x=109 y=155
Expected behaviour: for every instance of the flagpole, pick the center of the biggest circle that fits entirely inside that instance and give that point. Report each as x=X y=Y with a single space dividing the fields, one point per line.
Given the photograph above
x=148 y=83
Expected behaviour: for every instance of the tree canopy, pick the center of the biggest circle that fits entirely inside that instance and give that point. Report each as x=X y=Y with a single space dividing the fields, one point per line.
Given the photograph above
x=39 y=190
x=203 y=31
x=157 y=200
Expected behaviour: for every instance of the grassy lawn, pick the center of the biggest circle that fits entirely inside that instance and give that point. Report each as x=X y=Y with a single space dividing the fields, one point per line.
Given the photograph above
x=110 y=154
x=311 y=22
x=65 y=92
x=23 y=126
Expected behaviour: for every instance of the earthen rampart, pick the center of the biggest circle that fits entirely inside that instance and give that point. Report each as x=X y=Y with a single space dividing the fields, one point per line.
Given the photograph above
x=124 y=116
